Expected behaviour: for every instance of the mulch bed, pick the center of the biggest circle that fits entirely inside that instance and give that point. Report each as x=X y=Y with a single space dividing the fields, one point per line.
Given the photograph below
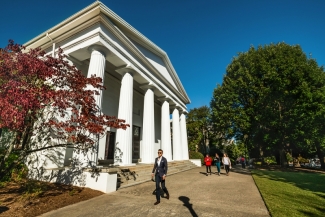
x=14 y=201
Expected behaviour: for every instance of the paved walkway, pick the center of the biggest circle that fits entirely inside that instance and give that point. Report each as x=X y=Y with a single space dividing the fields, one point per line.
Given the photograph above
x=192 y=193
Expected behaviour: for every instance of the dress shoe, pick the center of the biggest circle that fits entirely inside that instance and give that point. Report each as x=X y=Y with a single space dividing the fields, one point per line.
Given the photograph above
x=167 y=196
x=157 y=202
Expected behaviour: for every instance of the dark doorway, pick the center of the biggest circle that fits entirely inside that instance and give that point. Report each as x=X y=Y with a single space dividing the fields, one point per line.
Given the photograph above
x=136 y=142
x=110 y=145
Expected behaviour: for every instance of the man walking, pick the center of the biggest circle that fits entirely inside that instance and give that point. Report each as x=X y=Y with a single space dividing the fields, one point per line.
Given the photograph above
x=160 y=171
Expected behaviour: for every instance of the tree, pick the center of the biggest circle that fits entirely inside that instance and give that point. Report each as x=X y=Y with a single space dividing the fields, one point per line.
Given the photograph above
x=198 y=129
x=47 y=103
x=271 y=94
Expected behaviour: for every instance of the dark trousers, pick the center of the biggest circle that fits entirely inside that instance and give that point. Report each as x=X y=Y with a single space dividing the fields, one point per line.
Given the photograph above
x=218 y=166
x=208 y=168
x=158 y=181
x=243 y=164
x=227 y=168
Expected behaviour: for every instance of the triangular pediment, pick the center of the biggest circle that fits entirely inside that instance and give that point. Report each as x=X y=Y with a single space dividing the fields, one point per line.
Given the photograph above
x=157 y=62
x=140 y=48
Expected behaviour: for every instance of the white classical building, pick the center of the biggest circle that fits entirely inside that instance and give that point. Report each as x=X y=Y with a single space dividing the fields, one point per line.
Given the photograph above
x=142 y=86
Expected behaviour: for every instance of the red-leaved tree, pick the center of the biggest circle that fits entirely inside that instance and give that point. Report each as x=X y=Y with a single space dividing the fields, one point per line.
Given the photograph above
x=46 y=103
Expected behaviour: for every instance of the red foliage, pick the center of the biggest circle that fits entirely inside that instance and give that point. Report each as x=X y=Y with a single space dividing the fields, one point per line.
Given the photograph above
x=35 y=87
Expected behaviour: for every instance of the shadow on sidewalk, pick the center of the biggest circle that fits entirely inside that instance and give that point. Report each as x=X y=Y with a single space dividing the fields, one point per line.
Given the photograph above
x=187 y=204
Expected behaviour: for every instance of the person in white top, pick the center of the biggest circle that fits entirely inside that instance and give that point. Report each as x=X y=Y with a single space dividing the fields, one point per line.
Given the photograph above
x=226 y=162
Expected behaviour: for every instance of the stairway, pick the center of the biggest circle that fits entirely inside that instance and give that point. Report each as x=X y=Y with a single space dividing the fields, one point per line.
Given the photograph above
x=133 y=175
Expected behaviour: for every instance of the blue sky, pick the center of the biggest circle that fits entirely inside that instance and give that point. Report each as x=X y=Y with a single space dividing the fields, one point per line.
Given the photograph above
x=200 y=37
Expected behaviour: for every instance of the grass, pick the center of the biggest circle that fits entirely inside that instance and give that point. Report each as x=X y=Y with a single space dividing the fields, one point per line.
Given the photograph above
x=292 y=193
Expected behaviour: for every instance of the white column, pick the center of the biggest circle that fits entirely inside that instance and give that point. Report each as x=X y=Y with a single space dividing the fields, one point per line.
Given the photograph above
x=123 y=148
x=97 y=68
x=165 y=130
x=148 y=132
x=177 y=146
x=184 y=137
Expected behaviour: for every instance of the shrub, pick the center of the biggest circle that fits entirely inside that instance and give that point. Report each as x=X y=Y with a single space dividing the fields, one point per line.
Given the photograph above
x=289 y=157
x=270 y=160
x=302 y=160
x=196 y=155
x=18 y=172
x=33 y=188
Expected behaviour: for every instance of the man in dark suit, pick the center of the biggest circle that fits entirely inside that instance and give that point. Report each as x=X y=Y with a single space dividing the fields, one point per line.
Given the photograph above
x=160 y=171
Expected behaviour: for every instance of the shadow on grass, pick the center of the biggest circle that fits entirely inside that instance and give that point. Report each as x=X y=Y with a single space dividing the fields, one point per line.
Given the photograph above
x=307 y=181
x=309 y=201
x=307 y=213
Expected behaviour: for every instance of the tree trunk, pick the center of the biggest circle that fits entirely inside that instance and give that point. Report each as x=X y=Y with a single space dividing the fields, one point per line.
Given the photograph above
x=283 y=159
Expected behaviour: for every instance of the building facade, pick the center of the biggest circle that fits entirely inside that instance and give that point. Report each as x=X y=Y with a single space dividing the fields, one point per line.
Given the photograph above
x=142 y=86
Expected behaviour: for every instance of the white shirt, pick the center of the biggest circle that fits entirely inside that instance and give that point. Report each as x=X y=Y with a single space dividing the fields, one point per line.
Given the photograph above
x=158 y=161
x=226 y=161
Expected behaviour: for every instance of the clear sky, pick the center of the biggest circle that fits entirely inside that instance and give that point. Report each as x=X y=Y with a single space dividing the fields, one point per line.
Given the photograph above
x=199 y=36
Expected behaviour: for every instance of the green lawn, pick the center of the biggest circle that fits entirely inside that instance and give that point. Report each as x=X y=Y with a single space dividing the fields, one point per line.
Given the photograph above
x=292 y=193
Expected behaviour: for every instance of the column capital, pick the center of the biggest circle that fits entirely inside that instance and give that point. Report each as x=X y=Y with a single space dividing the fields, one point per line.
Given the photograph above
x=164 y=98
x=147 y=86
x=103 y=50
x=126 y=69
x=176 y=106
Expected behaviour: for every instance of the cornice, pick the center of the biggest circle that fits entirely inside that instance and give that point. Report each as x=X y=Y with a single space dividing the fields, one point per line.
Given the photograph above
x=119 y=34
x=95 y=5
x=94 y=10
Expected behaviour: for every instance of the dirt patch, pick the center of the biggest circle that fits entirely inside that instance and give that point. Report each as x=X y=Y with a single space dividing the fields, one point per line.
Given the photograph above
x=17 y=201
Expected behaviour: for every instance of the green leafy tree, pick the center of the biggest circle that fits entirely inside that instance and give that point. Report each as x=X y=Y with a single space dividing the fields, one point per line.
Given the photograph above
x=270 y=94
x=198 y=123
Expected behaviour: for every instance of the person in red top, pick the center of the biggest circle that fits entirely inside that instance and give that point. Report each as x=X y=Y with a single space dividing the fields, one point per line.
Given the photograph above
x=208 y=162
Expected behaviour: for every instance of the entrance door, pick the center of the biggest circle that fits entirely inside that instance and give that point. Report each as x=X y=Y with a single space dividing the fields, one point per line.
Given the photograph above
x=136 y=142
x=110 y=145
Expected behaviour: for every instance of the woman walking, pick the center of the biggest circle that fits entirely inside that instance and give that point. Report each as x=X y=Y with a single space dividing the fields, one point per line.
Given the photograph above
x=207 y=161
x=226 y=162
x=217 y=163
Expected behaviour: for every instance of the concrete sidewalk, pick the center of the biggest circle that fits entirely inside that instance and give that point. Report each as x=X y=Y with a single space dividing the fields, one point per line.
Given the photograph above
x=192 y=193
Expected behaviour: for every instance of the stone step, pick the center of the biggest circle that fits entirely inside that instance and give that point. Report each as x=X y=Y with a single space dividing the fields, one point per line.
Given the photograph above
x=142 y=172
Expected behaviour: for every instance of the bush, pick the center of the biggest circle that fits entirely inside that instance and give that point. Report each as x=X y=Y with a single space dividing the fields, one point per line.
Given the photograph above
x=270 y=160
x=18 y=172
x=289 y=157
x=33 y=188
x=196 y=155
x=302 y=160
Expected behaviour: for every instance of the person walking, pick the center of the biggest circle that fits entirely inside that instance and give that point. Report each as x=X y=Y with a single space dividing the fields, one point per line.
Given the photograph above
x=227 y=163
x=160 y=172
x=243 y=162
x=217 y=163
x=208 y=161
